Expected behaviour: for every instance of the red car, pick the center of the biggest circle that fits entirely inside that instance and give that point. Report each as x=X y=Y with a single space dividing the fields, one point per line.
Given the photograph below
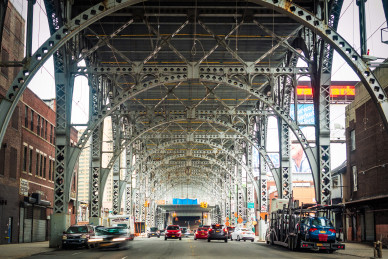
x=173 y=231
x=201 y=233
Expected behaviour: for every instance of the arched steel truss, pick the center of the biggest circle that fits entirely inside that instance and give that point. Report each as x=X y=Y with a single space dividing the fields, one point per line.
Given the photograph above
x=74 y=26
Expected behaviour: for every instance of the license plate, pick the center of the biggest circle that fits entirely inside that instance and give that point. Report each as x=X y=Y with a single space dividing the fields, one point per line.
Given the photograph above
x=322 y=231
x=319 y=244
x=217 y=231
x=105 y=244
x=173 y=236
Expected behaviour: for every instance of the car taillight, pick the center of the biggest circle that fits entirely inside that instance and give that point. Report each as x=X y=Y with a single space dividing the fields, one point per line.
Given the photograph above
x=210 y=229
x=225 y=230
x=312 y=229
x=332 y=230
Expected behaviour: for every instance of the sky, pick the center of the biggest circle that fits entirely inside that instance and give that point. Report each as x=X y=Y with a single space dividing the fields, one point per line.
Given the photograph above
x=43 y=83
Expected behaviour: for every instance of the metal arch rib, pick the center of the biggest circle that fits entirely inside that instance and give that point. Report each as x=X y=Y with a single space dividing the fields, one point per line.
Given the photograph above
x=348 y=53
x=44 y=52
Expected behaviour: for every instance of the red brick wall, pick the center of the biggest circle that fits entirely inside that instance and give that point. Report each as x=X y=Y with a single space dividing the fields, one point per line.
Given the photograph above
x=12 y=46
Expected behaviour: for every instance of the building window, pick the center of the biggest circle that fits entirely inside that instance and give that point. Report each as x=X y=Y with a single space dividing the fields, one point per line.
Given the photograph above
x=49 y=171
x=38 y=126
x=4 y=59
x=18 y=29
x=44 y=167
x=354 y=171
x=2 y=160
x=25 y=155
x=37 y=164
x=51 y=133
x=32 y=120
x=15 y=118
x=26 y=117
x=30 y=162
x=42 y=127
x=41 y=166
x=45 y=129
x=352 y=140
x=13 y=162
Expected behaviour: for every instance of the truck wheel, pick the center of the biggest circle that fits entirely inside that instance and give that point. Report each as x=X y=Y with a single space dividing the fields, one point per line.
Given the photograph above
x=330 y=251
x=226 y=240
x=208 y=240
x=252 y=240
x=180 y=238
x=238 y=238
x=165 y=238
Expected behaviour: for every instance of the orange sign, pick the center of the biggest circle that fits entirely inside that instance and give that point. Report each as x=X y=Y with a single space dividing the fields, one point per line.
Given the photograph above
x=240 y=220
x=235 y=214
x=227 y=223
x=227 y=219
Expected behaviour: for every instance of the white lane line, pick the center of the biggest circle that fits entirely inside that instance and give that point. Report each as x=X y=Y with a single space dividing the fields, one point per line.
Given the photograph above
x=124 y=257
x=77 y=253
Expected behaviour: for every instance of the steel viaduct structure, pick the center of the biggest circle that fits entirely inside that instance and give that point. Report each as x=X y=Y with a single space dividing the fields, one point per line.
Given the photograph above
x=189 y=87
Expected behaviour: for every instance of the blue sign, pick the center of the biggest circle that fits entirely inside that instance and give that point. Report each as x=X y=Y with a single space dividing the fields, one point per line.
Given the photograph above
x=251 y=205
x=176 y=201
x=305 y=113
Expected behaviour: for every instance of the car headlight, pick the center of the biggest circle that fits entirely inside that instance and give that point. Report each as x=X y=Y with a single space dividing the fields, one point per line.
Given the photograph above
x=84 y=236
x=118 y=239
x=64 y=237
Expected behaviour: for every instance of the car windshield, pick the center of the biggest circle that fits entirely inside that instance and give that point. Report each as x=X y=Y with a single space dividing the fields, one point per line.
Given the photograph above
x=230 y=229
x=153 y=229
x=202 y=229
x=172 y=228
x=113 y=231
x=77 y=229
x=183 y=230
x=217 y=226
x=321 y=222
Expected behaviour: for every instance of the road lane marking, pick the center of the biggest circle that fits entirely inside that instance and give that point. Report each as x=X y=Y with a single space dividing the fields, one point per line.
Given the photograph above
x=77 y=253
x=124 y=257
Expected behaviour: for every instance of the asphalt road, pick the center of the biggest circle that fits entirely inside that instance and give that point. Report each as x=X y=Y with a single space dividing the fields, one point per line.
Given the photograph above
x=187 y=247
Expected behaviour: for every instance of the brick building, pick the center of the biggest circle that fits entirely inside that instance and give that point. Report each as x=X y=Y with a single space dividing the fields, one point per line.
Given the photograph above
x=366 y=176
x=12 y=49
x=27 y=154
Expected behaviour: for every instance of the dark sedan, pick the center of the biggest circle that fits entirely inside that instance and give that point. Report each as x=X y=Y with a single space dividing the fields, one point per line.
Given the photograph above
x=114 y=237
x=216 y=232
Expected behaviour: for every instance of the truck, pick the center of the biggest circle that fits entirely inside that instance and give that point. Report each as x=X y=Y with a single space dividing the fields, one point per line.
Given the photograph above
x=125 y=221
x=302 y=227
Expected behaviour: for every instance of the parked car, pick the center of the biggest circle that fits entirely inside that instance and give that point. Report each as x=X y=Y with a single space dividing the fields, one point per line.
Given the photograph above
x=201 y=233
x=230 y=231
x=317 y=229
x=77 y=236
x=173 y=231
x=114 y=237
x=153 y=232
x=217 y=232
x=242 y=234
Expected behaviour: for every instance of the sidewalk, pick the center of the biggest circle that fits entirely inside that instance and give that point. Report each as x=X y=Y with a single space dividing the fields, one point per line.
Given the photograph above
x=24 y=249
x=360 y=250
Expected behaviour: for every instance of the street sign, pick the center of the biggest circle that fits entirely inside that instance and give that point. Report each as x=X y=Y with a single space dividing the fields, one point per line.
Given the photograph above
x=240 y=220
x=251 y=205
